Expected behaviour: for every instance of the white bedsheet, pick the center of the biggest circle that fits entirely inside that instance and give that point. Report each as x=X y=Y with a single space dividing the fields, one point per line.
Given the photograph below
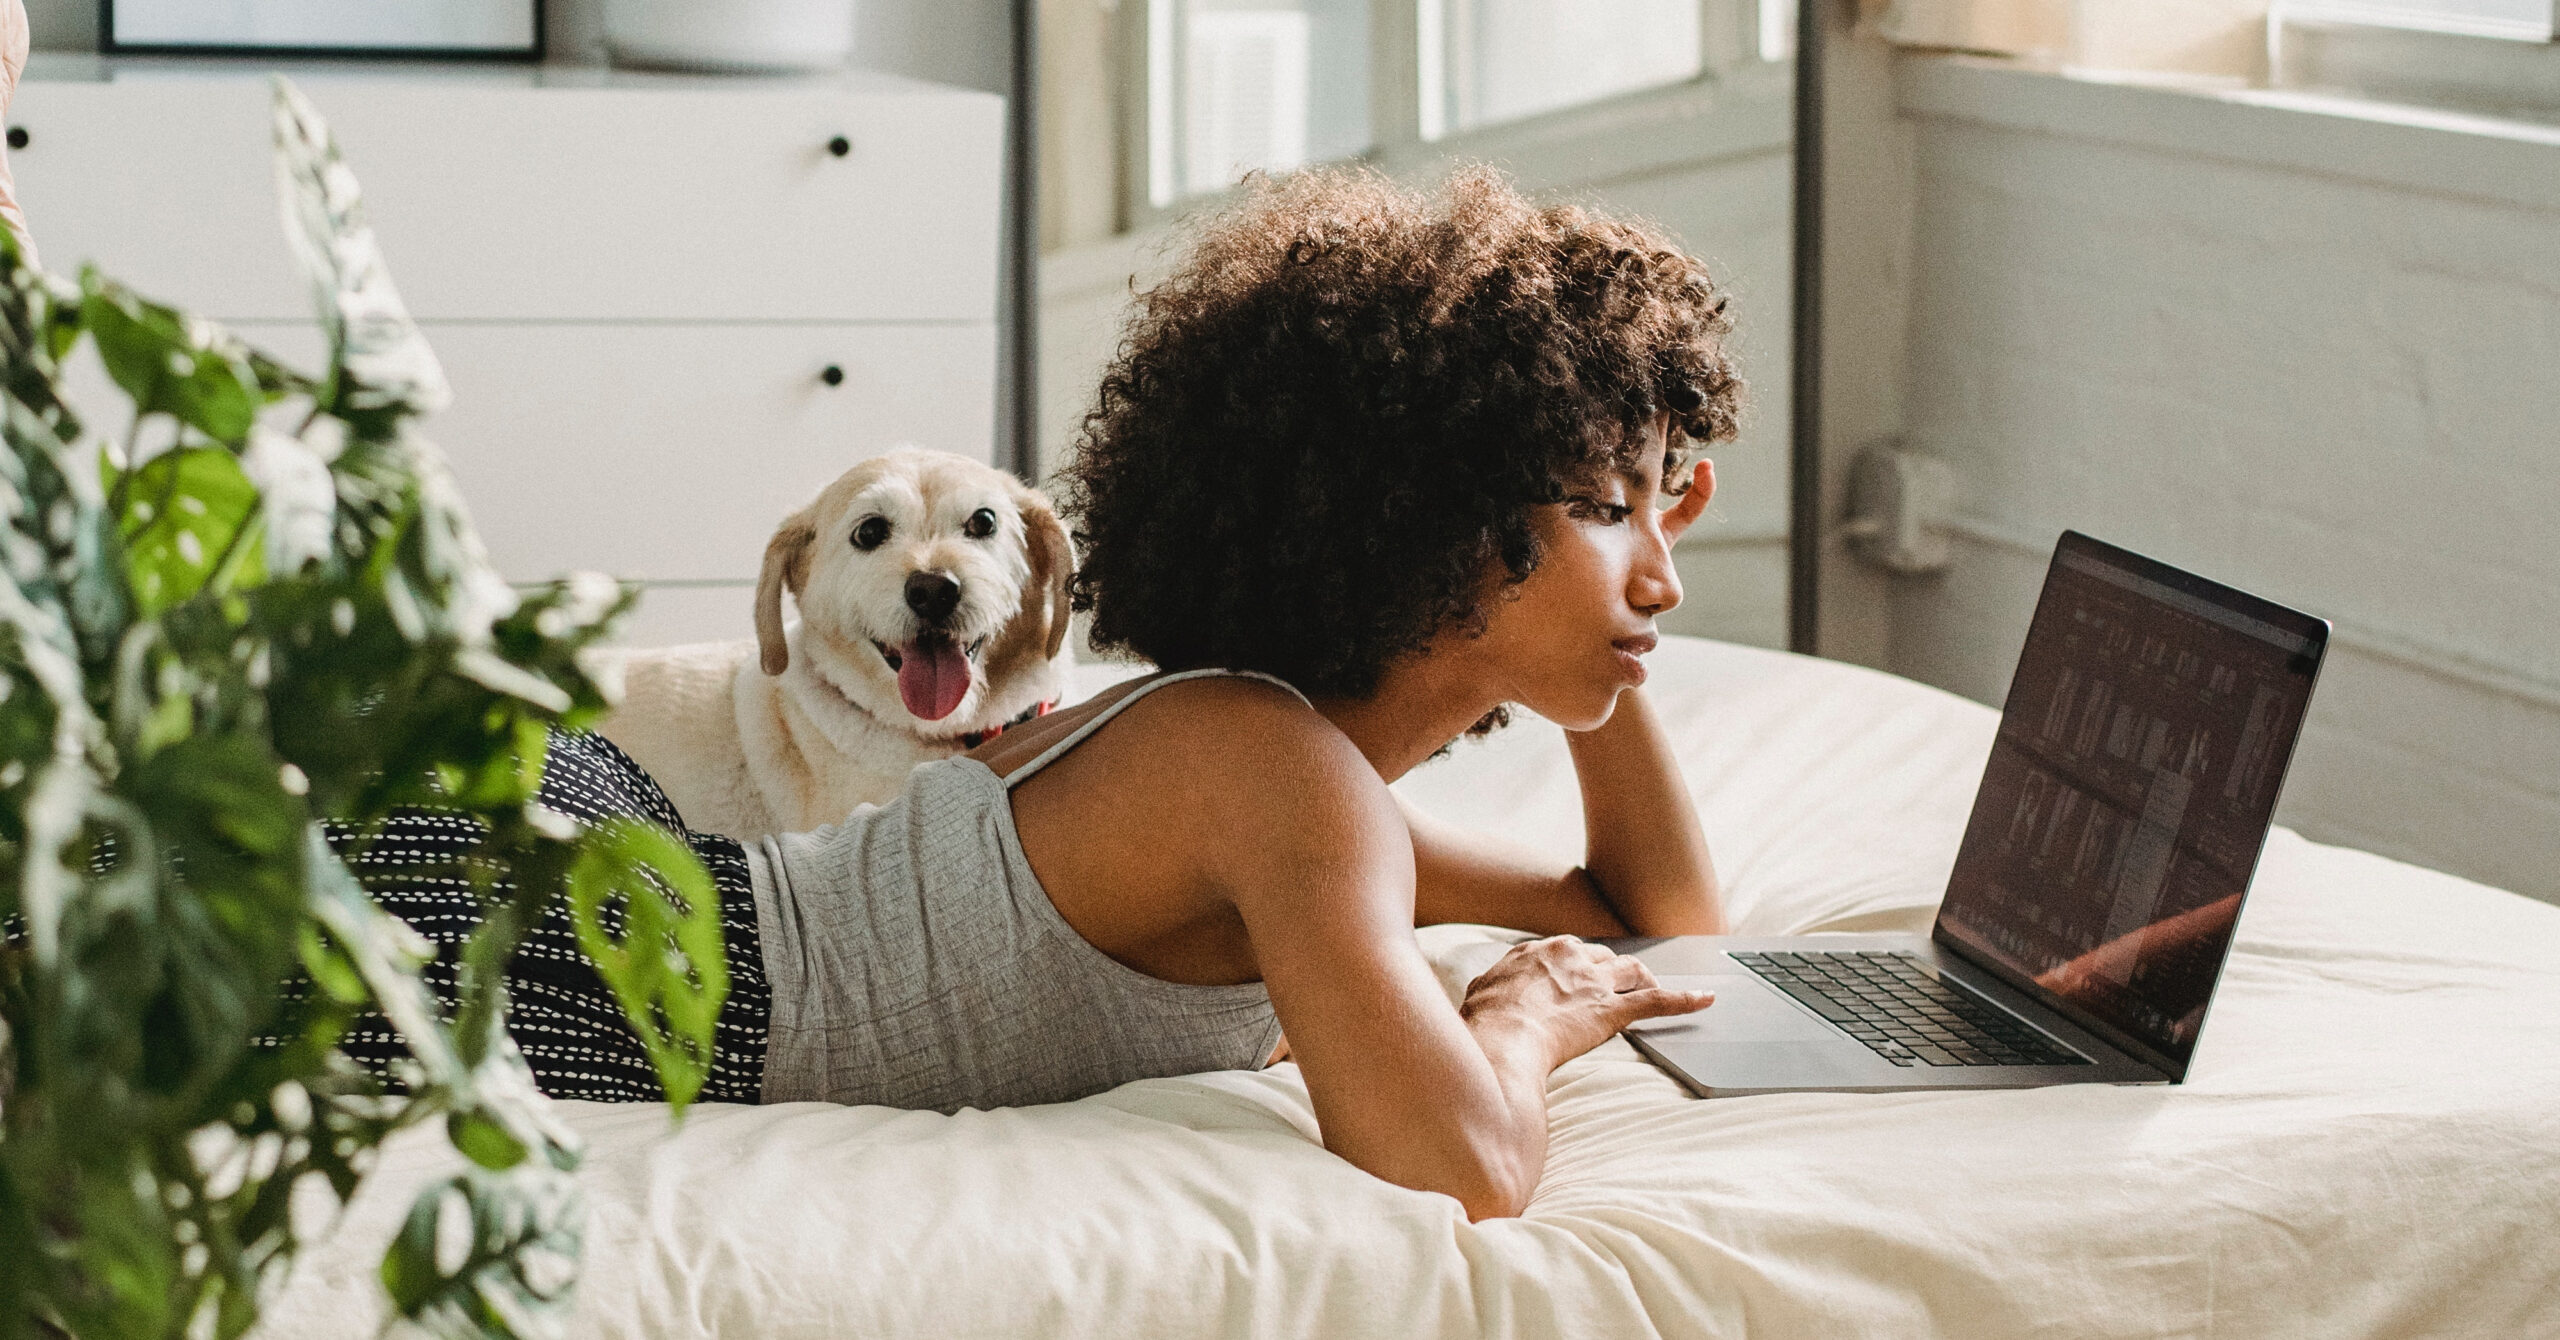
x=2369 y=1143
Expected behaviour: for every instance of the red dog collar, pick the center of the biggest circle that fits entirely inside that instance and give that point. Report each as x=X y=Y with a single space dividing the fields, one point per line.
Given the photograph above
x=978 y=737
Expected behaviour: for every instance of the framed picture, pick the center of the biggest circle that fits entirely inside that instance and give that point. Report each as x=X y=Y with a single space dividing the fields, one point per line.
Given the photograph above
x=440 y=29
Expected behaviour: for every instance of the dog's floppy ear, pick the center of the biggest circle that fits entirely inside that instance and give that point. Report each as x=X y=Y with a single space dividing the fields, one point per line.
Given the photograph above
x=1053 y=561
x=786 y=563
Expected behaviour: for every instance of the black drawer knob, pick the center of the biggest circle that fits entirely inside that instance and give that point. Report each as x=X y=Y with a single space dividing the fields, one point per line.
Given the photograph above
x=832 y=375
x=17 y=137
x=839 y=146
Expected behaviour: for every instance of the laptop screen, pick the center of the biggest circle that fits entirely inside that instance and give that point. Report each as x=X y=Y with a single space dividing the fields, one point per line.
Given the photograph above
x=2129 y=792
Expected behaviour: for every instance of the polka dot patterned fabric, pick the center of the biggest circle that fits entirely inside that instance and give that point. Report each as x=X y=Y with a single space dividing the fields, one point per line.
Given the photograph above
x=561 y=1014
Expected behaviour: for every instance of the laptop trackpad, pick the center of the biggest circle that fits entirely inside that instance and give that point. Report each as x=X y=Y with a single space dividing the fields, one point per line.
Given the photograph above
x=1746 y=1010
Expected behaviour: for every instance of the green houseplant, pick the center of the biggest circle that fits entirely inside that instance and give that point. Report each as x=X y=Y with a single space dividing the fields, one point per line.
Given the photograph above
x=260 y=608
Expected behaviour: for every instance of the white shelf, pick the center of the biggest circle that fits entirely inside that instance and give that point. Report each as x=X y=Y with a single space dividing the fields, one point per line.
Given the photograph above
x=634 y=280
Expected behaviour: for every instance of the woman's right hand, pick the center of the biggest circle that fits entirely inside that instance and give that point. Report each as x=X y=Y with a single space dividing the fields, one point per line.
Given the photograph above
x=1563 y=996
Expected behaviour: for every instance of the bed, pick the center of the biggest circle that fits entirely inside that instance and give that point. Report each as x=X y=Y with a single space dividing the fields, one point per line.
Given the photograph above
x=2369 y=1143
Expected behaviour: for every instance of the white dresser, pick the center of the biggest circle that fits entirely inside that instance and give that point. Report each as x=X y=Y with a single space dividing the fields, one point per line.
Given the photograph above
x=672 y=308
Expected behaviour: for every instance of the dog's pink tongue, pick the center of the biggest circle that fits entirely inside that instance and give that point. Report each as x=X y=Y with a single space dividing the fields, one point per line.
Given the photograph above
x=932 y=677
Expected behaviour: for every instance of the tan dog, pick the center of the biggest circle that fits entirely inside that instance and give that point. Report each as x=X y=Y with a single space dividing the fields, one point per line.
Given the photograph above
x=932 y=594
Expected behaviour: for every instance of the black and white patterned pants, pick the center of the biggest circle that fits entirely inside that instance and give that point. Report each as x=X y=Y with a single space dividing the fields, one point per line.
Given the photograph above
x=561 y=1014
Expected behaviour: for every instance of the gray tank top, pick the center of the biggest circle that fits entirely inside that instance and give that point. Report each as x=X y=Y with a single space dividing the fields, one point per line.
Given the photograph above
x=916 y=961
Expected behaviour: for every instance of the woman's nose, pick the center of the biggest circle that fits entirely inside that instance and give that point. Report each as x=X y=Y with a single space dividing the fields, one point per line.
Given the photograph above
x=1654 y=587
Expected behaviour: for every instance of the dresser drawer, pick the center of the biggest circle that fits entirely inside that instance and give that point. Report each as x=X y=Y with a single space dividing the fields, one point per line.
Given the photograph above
x=671 y=452
x=500 y=197
x=664 y=453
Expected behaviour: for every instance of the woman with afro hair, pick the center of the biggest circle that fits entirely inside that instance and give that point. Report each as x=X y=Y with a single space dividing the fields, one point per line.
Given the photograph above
x=1369 y=468
x=1401 y=454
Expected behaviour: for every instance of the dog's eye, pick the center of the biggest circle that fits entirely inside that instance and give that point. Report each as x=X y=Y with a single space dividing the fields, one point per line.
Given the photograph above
x=871 y=534
x=980 y=525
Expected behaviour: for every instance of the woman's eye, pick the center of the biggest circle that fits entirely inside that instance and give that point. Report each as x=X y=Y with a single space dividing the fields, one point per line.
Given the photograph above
x=871 y=534
x=1606 y=513
x=980 y=525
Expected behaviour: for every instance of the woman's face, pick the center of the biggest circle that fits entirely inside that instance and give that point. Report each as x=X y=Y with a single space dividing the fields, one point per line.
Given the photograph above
x=1566 y=641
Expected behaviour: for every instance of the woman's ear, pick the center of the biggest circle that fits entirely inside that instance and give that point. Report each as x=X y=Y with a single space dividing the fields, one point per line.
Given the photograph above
x=786 y=564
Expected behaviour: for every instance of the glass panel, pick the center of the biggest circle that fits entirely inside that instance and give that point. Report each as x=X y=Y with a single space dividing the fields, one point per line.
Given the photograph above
x=1241 y=85
x=1498 y=60
x=2516 y=20
x=1777 y=30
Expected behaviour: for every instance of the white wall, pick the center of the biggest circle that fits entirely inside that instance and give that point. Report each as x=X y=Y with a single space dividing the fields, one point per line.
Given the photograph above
x=1711 y=163
x=2307 y=352
x=1866 y=293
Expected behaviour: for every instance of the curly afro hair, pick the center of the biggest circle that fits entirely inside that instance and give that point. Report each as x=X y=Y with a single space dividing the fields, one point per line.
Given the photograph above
x=1323 y=438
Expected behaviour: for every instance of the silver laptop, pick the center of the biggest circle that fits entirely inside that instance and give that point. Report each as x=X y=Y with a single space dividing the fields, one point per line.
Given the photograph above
x=2120 y=816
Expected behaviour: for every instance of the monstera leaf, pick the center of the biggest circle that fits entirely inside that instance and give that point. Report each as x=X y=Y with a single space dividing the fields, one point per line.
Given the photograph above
x=262 y=609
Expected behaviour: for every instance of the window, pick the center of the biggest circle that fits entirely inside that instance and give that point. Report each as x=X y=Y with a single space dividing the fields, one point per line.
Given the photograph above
x=1485 y=61
x=1235 y=86
x=2433 y=53
x=2519 y=20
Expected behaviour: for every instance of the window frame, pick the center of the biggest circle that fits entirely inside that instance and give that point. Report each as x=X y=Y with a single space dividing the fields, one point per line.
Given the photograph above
x=1731 y=61
x=2425 y=16
x=2391 y=53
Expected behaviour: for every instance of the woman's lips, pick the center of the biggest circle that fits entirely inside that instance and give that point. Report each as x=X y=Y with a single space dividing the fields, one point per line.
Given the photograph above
x=1630 y=651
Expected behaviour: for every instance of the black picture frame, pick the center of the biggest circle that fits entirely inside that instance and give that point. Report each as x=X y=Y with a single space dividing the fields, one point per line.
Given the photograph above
x=528 y=54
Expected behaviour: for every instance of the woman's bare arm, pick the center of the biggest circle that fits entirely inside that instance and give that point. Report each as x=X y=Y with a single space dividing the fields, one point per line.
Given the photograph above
x=1461 y=874
x=1641 y=841
x=1645 y=868
x=1317 y=859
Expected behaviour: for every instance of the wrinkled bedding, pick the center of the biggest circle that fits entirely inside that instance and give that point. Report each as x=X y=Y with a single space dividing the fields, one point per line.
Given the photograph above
x=2369 y=1143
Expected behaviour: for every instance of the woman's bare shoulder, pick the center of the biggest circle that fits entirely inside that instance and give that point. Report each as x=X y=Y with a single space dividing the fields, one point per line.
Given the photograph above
x=1271 y=799
x=1210 y=798
x=1244 y=756
x=1237 y=731
x=1199 y=715
x=1232 y=700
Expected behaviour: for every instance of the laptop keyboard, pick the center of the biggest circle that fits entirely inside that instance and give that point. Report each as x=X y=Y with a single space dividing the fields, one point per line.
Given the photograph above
x=1902 y=1012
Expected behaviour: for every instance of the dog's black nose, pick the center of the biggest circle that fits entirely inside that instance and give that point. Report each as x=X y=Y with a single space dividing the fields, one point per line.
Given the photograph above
x=932 y=596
